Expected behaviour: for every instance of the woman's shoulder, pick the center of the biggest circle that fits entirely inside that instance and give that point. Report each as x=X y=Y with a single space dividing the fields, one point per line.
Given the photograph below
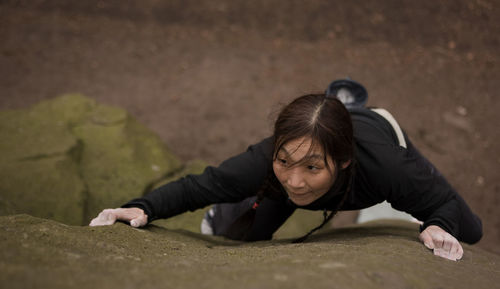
x=264 y=147
x=256 y=156
x=379 y=156
x=370 y=127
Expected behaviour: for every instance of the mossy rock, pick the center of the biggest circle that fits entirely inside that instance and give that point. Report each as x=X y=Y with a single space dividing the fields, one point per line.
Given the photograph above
x=50 y=187
x=69 y=157
x=120 y=158
x=38 y=253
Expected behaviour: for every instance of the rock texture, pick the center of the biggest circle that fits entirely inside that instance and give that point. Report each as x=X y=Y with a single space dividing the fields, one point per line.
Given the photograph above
x=69 y=157
x=38 y=253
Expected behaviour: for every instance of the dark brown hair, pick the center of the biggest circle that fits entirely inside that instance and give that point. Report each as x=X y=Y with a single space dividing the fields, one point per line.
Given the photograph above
x=328 y=123
x=323 y=119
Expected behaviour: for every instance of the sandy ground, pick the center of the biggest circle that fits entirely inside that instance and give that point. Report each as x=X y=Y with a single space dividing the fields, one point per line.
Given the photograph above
x=208 y=77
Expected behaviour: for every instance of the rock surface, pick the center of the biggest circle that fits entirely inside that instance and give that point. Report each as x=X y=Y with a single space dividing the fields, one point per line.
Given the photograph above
x=68 y=158
x=38 y=253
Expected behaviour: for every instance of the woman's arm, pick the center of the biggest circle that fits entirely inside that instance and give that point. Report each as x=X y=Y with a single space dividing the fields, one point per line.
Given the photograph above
x=407 y=180
x=235 y=179
x=420 y=190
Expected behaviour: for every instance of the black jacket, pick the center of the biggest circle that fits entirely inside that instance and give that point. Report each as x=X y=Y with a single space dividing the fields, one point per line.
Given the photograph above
x=384 y=171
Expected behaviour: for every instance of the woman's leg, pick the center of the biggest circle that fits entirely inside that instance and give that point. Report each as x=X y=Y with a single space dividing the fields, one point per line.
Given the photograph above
x=269 y=216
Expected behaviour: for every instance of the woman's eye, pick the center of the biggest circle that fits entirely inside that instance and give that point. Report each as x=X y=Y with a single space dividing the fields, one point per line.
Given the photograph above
x=312 y=168
x=282 y=162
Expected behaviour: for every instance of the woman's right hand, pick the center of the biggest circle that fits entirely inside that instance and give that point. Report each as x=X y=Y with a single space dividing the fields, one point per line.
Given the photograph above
x=134 y=216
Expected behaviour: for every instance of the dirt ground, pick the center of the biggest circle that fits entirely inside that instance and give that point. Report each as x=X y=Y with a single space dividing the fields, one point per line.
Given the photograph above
x=209 y=77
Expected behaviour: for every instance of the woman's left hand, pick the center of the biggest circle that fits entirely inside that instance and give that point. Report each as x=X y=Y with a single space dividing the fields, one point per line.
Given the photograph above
x=443 y=244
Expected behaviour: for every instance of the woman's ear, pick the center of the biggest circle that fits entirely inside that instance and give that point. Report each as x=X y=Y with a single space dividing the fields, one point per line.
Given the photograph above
x=346 y=164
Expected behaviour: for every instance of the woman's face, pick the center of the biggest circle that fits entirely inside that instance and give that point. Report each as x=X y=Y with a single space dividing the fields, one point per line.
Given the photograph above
x=307 y=180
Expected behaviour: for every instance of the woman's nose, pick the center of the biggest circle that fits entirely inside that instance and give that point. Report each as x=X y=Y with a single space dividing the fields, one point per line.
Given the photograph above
x=295 y=179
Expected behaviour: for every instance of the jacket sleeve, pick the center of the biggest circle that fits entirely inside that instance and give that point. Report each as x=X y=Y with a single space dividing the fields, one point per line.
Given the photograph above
x=419 y=189
x=407 y=180
x=235 y=179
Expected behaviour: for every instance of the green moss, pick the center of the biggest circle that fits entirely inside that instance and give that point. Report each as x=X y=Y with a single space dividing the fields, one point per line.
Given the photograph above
x=37 y=172
x=28 y=134
x=69 y=157
x=119 y=161
x=46 y=187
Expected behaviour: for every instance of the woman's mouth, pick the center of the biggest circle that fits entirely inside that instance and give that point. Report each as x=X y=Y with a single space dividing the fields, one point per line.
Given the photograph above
x=297 y=195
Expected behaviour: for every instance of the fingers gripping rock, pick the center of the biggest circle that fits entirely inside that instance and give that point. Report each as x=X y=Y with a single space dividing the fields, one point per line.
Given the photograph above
x=442 y=243
x=106 y=217
x=139 y=221
x=134 y=216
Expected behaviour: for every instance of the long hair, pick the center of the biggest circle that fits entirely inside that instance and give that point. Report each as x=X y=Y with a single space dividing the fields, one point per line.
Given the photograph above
x=324 y=120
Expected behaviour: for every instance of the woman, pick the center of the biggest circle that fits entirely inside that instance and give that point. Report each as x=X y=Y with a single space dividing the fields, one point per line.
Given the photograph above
x=321 y=156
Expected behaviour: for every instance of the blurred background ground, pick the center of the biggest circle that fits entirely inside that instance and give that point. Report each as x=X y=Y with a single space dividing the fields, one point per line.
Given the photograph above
x=208 y=76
